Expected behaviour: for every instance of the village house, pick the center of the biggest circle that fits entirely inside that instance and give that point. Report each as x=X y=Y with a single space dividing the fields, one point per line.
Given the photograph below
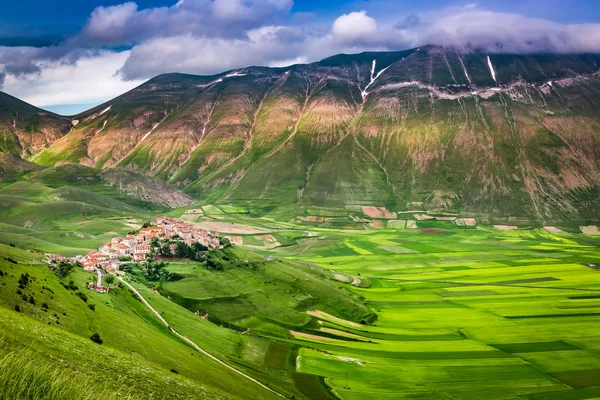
x=99 y=289
x=139 y=246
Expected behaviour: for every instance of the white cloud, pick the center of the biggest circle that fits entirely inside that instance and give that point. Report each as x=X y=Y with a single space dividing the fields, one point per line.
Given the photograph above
x=211 y=36
x=473 y=28
x=90 y=80
x=354 y=27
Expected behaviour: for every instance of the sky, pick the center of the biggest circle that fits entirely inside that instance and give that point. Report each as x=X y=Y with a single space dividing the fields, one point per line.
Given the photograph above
x=69 y=55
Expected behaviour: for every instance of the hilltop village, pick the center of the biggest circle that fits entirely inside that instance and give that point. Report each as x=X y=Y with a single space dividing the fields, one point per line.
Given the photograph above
x=137 y=246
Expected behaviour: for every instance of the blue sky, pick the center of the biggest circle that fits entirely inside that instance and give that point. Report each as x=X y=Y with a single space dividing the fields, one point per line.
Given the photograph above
x=62 y=17
x=68 y=55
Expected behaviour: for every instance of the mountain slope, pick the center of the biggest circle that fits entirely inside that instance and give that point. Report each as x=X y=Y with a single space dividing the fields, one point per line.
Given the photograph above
x=25 y=129
x=509 y=135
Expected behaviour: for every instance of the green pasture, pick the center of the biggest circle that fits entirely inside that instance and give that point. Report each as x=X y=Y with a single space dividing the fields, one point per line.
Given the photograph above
x=462 y=314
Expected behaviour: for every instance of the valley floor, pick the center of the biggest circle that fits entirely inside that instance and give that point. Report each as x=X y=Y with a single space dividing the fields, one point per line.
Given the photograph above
x=462 y=314
x=452 y=312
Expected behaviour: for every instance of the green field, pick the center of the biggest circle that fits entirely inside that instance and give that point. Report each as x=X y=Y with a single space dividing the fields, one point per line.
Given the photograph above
x=462 y=314
x=342 y=307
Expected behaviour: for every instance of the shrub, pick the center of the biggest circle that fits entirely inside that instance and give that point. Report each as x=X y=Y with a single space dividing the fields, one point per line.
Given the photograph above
x=17 y=308
x=92 y=307
x=63 y=269
x=108 y=279
x=24 y=280
x=82 y=296
x=96 y=338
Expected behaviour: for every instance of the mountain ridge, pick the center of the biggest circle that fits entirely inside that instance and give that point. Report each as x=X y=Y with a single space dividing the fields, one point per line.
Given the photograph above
x=480 y=133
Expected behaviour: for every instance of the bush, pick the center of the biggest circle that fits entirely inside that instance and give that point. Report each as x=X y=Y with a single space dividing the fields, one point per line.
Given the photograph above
x=108 y=279
x=17 y=308
x=63 y=269
x=92 y=307
x=24 y=280
x=96 y=338
x=82 y=296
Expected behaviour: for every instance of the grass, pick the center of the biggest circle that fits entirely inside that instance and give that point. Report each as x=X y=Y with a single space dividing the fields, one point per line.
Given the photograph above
x=134 y=342
x=514 y=311
x=24 y=376
x=436 y=311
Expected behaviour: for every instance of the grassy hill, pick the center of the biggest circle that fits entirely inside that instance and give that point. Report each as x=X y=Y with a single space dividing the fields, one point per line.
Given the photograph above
x=56 y=326
x=61 y=315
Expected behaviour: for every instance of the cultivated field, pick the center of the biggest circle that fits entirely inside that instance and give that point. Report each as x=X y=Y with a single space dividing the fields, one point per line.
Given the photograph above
x=463 y=314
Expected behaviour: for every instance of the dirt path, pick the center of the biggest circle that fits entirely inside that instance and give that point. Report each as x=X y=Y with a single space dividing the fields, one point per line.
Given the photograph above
x=192 y=343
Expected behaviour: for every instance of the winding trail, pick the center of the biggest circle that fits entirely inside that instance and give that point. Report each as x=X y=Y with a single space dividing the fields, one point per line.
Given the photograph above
x=192 y=343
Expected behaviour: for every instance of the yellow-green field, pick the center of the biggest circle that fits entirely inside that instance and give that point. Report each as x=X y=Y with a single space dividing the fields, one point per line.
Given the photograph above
x=462 y=314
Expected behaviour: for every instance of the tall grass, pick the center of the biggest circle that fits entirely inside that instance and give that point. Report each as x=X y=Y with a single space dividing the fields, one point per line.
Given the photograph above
x=25 y=377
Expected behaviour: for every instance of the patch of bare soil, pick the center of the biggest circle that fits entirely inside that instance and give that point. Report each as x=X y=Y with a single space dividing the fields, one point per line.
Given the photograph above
x=269 y=241
x=341 y=278
x=312 y=218
x=431 y=231
x=378 y=212
x=505 y=227
x=590 y=230
x=466 y=222
x=237 y=240
x=422 y=217
x=312 y=337
x=328 y=317
x=553 y=229
x=410 y=224
x=230 y=227
x=377 y=224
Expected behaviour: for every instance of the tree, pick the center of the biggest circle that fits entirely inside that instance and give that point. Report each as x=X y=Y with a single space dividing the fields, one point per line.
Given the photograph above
x=108 y=279
x=226 y=243
x=165 y=251
x=96 y=338
x=154 y=242
x=63 y=269
x=182 y=250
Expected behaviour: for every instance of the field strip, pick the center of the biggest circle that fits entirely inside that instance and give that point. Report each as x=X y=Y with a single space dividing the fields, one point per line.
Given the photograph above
x=482 y=284
x=192 y=343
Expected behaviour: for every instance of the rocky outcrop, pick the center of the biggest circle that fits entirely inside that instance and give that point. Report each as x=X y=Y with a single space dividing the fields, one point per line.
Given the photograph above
x=145 y=188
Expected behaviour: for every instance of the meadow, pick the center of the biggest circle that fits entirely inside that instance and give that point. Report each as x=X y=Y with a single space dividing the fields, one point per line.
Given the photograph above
x=331 y=305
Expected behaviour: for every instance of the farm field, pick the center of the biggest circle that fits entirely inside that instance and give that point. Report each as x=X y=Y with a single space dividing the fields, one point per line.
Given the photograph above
x=462 y=314
x=427 y=310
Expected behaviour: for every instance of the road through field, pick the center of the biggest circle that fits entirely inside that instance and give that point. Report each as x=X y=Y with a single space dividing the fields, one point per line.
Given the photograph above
x=192 y=343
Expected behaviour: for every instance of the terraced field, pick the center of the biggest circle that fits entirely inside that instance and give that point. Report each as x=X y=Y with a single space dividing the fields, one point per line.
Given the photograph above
x=463 y=314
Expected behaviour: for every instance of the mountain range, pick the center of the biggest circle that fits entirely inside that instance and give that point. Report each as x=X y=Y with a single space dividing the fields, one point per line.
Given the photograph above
x=432 y=128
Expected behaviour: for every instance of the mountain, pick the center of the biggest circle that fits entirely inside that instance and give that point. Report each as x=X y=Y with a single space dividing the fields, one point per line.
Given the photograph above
x=25 y=129
x=428 y=128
